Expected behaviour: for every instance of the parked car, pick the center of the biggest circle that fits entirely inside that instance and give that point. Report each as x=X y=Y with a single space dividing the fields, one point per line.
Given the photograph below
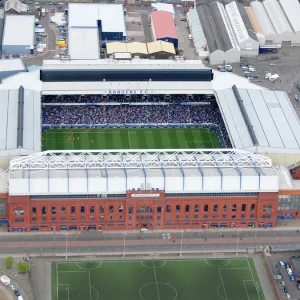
x=287 y=265
x=292 y=277
x=272 y=64
x=246 y=72
x=190 y=37
x=298 y=285
x=17 y=293
x=285 y=290
x=289 y=271
x=298 y=87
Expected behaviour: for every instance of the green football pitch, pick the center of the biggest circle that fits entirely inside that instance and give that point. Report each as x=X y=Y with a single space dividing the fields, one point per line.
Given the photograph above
x=210 y=279
x=129 y=138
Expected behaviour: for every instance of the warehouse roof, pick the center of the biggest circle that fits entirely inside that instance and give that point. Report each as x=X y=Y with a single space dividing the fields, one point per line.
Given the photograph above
x=160 y=46
x=16 y=5
x=86 y=15
x=277 y=16
x=132 y=47
x=271 y=117
x=263 y=18
x=292 y=12
x=163 y=25
x=164 y=7
x=14 y=34
x=83 y=43
x=103 y=172
x=196 y=29
x=253 y=19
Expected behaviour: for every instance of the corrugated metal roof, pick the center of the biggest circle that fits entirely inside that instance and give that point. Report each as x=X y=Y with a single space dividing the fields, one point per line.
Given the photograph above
x=196 y=29
x=83 y=43
x=85 y=15
x=133 y=48
x=14 y=34
x=277 y=16
x=167 y=47
x=292 y=12
x=115 y=47
x=17 y=5
x=163 y=25
x=263 y=19
x=253 y=19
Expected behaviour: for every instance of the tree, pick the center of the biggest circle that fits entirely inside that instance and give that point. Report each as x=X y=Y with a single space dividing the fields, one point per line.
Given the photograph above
x=8 y=262
x=23 y=266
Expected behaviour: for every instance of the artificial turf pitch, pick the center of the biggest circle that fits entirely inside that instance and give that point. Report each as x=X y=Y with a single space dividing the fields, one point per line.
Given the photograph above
x=210 y=279
x=129 y=138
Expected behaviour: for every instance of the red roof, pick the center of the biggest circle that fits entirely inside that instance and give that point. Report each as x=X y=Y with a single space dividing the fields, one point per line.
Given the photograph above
x=164 y=26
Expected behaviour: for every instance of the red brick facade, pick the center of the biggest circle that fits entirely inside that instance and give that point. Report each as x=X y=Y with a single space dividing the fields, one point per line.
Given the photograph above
x=151 y=209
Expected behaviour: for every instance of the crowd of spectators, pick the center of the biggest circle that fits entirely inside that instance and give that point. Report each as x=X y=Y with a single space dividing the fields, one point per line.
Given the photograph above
x=123 y=98
x=205 y=112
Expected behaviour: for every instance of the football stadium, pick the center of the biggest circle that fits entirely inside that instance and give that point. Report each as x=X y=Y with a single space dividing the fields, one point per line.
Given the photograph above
x=156 y=144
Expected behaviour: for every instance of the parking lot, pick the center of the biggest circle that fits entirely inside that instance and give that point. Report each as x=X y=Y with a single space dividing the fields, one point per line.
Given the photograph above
x=291 y=286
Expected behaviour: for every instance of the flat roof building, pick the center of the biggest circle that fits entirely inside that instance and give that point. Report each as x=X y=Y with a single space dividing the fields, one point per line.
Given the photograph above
x=18 y=35
x=163 y=27
x=11 y=67
x=91 y=25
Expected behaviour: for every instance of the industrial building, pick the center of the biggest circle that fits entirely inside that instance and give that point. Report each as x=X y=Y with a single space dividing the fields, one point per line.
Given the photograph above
x=164 y=7
x=161 y=50
x=163 y=27
x=91 y=25
x=242 y=29
x=248 y=185
x=18 y=39
x=15 y=7
x=135 y=49
x=221 y=42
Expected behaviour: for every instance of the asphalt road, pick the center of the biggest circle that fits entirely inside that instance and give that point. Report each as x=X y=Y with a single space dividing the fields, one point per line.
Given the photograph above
x=98 y=242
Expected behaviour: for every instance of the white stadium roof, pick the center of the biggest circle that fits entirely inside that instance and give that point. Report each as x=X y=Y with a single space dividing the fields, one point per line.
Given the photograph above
x=271 y=115
x=102 y=172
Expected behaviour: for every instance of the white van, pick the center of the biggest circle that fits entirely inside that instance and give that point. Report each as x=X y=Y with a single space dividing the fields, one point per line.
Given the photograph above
x=190 y=37
x=20 y=297
x=281 y=264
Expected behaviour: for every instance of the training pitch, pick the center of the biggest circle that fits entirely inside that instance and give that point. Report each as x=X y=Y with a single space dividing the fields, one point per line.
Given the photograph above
x=210 y=279
x=131 y=138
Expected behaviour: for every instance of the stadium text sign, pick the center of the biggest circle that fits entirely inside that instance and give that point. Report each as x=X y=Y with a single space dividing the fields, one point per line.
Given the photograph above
x=127 y=92
x=145 y=195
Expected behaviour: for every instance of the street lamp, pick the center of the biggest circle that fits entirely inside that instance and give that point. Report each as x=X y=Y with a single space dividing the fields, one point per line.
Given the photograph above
x=66 y=244
x=181 y=242
x=237 y=242
x=124 y=244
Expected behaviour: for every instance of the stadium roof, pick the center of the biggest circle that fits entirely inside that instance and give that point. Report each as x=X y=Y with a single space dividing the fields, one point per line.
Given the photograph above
x=163 y=24
x=86 y=15
x=11 y=67
x=20 y=121
x=102 y=172
x=277 y=17
x=270 y=115
x=83 y=43
x=291 y=9
x=16 y=34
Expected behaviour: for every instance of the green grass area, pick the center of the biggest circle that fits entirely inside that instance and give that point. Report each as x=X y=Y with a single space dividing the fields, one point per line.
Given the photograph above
x=211 y=279
x=129 y=138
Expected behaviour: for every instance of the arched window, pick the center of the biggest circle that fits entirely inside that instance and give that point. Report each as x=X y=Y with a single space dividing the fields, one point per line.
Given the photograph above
x=73 y=210
x=19 y=212
x=44 y=210
x=233 y=207
x=130 y=210
x=33 y=210
x=101 y=209
x=168 y=208
x=111 y=209
x=187 y=208
x=206 y=207
x=178 y=208
x=252 y=207
x=144 y=209
x=225 y=208
x=158 y=209
x=63 y=210
x=196 y=208
x=92 y=209
x=243 y=207
x=216 y=207
x=53 y=210
x=82 y=209
x=121 y=208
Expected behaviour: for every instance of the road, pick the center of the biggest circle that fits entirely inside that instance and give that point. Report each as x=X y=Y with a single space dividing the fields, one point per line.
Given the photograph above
x=97 y=242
